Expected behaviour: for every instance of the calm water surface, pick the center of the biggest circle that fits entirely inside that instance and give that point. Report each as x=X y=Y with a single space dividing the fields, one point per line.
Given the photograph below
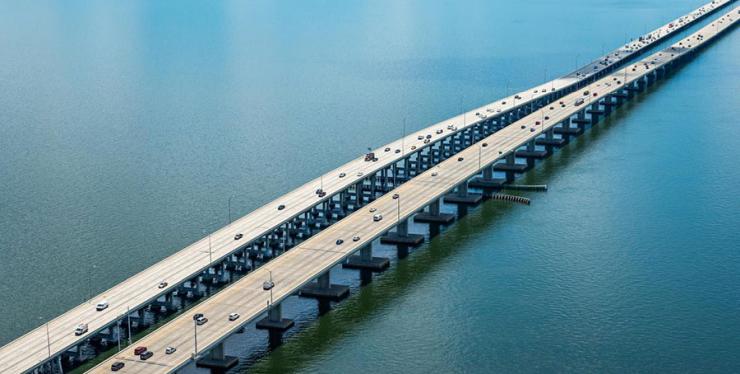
x=125 y=127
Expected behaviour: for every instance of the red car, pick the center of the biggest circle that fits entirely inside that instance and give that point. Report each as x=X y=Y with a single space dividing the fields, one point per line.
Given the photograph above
x=139 y=350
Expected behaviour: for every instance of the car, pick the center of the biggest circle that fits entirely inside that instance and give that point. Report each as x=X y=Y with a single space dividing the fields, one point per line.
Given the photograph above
x=201 y=321
x=197 y=315
x=238 y=236
x=397 y=151
x=586 y=93
x=460 y=159
x=395 y=196
x=116 y=366
x=281 y=207
x=420 y=137
x=139 y=350
x=387 y=149
x=373 y=210
x=233 y=316
x=413 y=147
x=102 y=305
x=596 y=94
x=434 y=174
x=440 y=131
x=531 y=129
x=80 y=329
x=523 y=126
x=359 y=174
x=547 y=118
x=579 y=101
x=322 y=194
x=268 y=285
x=355 y=238
x=377 y=217
x=162 y=284
x=146 y=355
x=319 y=191
x=429 y=136
x=426 y=141
x=484 y=145
x=170 y=350
x=342 y=175
x=340 y=241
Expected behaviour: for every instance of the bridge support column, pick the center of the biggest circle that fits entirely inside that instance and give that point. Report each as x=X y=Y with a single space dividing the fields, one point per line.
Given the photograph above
x=433 y=215
x=487 y=182
x=462 y=196
x=216 y=360
x=531 y=154
x=275 y=324
x=367 y=264
x=550 y=141
x=566 y=131
x=402 y=237
x=510 y=167
x=324 y=291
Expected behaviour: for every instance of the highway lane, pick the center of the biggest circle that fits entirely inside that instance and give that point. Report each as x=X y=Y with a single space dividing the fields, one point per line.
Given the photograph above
x=308 y=260
x=31 y=349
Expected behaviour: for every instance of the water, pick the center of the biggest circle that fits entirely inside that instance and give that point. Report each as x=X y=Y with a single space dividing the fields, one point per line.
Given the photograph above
x=125 y=127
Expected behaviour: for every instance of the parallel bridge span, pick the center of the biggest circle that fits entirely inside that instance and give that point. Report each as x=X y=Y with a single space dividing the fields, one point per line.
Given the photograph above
x=314 y=258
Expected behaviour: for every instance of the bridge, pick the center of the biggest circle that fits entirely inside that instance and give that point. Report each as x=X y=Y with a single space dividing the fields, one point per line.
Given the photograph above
x=300 y=229
x=296 y=270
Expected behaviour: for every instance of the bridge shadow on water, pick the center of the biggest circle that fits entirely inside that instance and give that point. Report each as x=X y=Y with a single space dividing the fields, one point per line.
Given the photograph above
x=348 y=317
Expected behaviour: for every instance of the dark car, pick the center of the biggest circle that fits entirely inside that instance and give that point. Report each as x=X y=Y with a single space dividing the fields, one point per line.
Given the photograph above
x=116 y=366
x=146 y=355
x=340 y=241
x=195 y=316
x=238 y=236
x=460 y=159
x=281 y=207
x=139 y=350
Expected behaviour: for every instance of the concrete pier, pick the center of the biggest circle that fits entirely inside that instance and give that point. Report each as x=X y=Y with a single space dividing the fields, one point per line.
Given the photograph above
x=433 y=215
x=275 y=324
x=463 y=197
x=216 y=360
x=402 y=236
x=322 y=289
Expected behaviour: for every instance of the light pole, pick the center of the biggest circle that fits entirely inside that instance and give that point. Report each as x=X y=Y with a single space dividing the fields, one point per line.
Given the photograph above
x=195 y=337
x=48 y=339
x=90 y=283
x=229 y=204
x=403 y=138
x=128 y=317
x=398 y=217
x=480 y=152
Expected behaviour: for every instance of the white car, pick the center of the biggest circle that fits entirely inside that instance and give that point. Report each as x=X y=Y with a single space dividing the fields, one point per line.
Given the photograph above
x=102 y=305
x=377 y=217
x=170 y=350
x=233 y=316
x=81 y=329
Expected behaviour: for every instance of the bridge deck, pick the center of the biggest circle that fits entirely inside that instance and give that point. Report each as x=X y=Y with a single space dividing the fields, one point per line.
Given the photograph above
x=30 y=350
x=305 y=262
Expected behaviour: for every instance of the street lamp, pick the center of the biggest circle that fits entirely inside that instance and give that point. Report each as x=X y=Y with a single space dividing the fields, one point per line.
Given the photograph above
x=128 y=317
x=195 y=337
x=399 y=209
x=90 y=283
x=48 y=339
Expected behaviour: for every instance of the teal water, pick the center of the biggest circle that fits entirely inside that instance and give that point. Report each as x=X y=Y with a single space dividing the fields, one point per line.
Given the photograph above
x=125 y=127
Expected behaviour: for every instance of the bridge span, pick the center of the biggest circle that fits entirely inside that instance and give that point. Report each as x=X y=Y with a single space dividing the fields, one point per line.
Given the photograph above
x=285 y=223
x=295 y=271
